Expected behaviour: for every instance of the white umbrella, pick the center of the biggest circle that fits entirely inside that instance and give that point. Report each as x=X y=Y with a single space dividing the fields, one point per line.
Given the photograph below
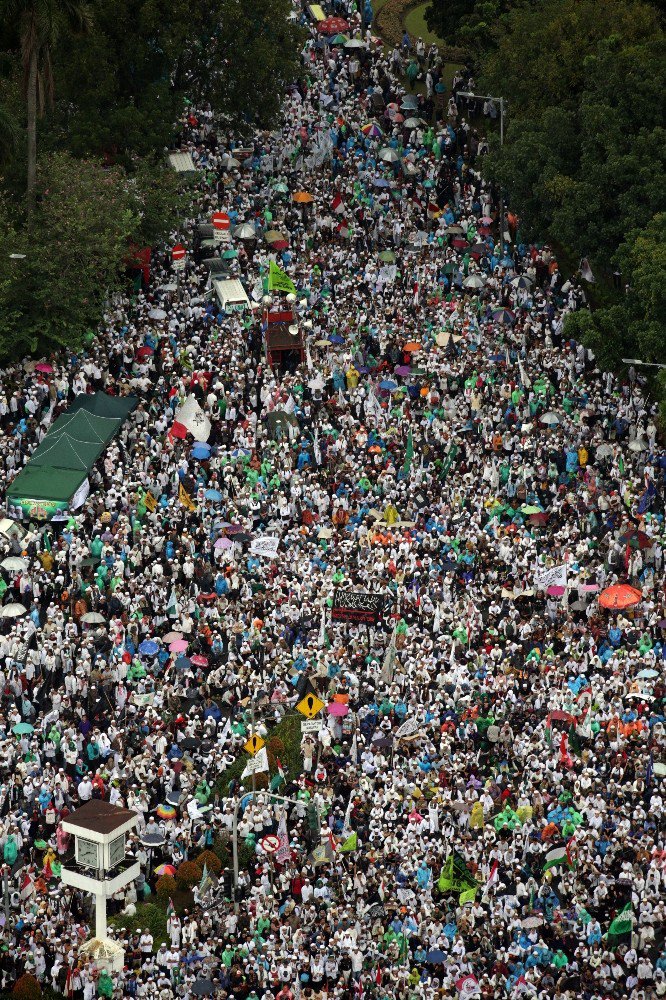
x=14 y=564
x=474 y=281
x=550 y=419
x=245 y=231
x=413 y=122
x=355 y=43
x=389 y=155
x=93 y=618
x=13 y=611
x=638 y=445
x=157 y=314
x=604 y=450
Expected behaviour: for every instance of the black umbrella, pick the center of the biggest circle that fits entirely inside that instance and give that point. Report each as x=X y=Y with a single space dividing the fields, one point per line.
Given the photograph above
x=202 y=988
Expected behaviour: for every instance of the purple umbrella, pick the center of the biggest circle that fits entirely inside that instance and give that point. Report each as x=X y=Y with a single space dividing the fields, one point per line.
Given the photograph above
x=233 y=529
x=223 y=543
x=402 y=370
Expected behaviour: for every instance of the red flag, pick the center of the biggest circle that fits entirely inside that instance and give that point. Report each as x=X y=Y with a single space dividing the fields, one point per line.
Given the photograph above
x=337 y=205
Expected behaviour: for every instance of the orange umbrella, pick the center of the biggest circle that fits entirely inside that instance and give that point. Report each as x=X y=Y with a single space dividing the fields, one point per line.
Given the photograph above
x=303 y=197
x=620 y=596
x=412 y=345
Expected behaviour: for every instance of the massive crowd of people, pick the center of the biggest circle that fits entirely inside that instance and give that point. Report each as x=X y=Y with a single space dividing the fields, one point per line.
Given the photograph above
x=481 y=811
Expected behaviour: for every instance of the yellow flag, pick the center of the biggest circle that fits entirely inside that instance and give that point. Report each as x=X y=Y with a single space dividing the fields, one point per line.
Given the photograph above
x=185 y=498
x=150 y=502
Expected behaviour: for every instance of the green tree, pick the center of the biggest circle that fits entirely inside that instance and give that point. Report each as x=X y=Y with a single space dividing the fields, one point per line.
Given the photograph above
x=84 y=219
x=124 y=87
x=41 y=25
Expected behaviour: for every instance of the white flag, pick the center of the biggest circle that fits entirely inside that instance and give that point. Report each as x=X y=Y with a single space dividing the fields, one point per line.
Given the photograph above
x=388 y=667
x=322 y=628
x=173 y=607
x=193 y=419
x=224 y=735
x=283 y=853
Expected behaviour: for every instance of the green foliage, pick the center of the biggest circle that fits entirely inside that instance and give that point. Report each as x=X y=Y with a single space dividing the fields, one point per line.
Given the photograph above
x=165 y=887
x=83 y=220
x=470 y=23
x=289 y=733
x=583 y=162
x=636 y=326
x=210 y=860
x=148 y=915
x=124 y=86
x=187 y=875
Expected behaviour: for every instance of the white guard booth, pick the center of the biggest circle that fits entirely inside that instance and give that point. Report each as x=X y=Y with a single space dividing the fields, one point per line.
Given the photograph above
x=99 y=866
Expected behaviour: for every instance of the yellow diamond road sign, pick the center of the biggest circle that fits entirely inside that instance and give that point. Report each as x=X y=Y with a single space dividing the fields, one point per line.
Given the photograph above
x=310 y=706
x=254 y=744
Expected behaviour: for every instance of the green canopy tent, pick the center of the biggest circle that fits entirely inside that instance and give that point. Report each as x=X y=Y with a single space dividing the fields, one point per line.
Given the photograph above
x=58 y=468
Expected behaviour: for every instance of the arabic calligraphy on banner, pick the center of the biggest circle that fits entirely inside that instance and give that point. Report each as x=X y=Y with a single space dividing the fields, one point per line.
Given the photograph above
x=353 y=606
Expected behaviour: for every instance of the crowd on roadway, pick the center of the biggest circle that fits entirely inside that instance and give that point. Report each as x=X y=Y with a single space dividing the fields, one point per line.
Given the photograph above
x=481 y=811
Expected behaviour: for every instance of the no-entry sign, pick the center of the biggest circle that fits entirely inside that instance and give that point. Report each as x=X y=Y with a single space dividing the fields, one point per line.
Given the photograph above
x=178 y=254
x=221 y=227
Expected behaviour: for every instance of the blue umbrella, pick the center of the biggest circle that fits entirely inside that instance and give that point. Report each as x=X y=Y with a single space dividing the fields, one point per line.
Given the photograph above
x=386 y=384
x=381 y=182
x=200 y=453
x=213 y=495
x=336 y=339
x=183 y=662
x=240 y=452
x=148 y=647
x=436 y=957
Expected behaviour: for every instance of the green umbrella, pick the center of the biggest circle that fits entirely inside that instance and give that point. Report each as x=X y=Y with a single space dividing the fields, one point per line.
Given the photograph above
x=229 y=254
x=23 y=728
x=281 y=188
x=387 y=256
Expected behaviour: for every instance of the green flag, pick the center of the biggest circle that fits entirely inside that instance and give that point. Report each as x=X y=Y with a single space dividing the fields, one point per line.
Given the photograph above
x=623 y=924
x=350 y=844
x=278 y=281
x=467 y=896
x=446 y=877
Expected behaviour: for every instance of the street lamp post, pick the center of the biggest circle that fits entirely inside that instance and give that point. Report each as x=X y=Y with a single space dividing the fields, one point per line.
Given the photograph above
x=500 y=101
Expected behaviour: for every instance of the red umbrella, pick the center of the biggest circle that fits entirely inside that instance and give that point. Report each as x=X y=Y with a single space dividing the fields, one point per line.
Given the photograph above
x=279 y=245
x=620 y=596
x=198 y=660
x=459 y=243
x=332 y=26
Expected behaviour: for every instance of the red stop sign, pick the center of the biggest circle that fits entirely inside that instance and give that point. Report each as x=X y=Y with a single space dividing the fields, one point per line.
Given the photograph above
x=178 y=252
x=221 y=221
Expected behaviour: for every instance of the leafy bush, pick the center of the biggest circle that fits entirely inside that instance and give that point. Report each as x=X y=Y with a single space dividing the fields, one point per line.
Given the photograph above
x=210 y=860
x=187 y=875
x=165 y=887
x=27 y=988
x=275 y=745
x=148 y=915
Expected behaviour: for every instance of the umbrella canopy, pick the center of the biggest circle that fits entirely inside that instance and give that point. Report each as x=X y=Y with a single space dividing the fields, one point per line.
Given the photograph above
x=13 y=611
x=213 y=495
x=503 y=315
x=474 y=281
x=335 y=708
x=634 y=538
x=412 y=346
x=339 y=39
x=199 y=660
x=165 y=870
x=647 y=674
x=355 y=43
x=44 y=368
x=303 y=197
x=272 y=236
x=372 y=129
x=23 y=729
x=436 y=957
x=165 y=811
x=387 y=257
x=550 y=419
x=413 y=122
x=230 y=254
x=172 y=636
x=14 y=564
x=149 y=647
x=619 y=596
x=389 y=155
x=157 y=314
x=332 y=25
x=93 y=618
x=410 y=102
x=522 y=281
x=245 y=231
x=178 y=646
x=638 y=445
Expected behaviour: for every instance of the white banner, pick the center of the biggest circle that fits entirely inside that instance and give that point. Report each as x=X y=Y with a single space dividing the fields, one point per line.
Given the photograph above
x=256 y=764
x=408 y=728
x=556 y=576
x=311 y=726
x=265 y=545
x=80 y=496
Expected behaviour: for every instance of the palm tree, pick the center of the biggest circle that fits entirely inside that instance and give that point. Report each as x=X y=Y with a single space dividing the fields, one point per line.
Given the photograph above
x=40 y=24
